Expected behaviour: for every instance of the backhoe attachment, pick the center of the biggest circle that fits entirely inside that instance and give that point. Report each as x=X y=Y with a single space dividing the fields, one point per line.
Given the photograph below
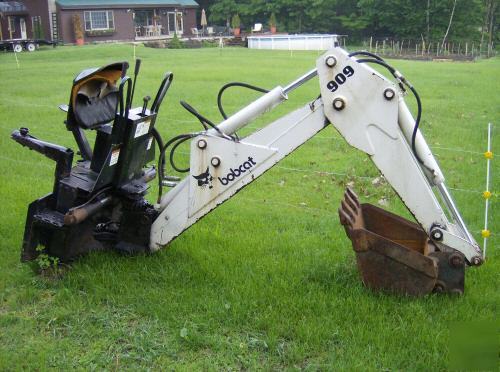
x=99 y=202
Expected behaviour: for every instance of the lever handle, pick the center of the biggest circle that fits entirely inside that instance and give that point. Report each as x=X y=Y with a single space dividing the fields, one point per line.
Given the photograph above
x=146 y=99
x=165 y=84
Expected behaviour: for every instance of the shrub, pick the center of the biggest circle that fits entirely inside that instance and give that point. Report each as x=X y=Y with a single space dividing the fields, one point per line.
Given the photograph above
x=236 y=21
x=107 y=32
x=209 y=43
x=77 y=27
x=175 y=43
x=272 y=20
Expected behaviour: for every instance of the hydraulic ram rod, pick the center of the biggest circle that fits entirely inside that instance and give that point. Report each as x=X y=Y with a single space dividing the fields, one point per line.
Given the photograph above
x=407 y=123
x=263 y=104
x=300 y=81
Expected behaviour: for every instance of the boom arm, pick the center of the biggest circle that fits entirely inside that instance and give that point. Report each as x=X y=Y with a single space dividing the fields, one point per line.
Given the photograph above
x=369 y=112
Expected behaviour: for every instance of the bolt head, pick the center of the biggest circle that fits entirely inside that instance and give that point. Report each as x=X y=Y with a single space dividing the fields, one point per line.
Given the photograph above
x=437 y=234
x=330 y=61
x=202 y=144
x=215 y=161
x=476 y=261
x=338 y=104
x=389 y=94
x=24 y=131
x=440 y=287
x=456 y=260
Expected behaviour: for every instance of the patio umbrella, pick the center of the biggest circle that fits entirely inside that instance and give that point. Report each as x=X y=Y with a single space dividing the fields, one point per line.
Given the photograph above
x=203 y=20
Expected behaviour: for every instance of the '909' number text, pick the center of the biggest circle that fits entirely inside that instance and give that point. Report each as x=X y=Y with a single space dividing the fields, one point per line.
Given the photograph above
x=340 y=79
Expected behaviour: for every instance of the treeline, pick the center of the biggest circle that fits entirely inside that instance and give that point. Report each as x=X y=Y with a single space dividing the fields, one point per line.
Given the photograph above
x=429 y=20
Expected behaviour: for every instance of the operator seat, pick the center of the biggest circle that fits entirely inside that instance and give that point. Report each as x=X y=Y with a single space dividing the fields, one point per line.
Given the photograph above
x=94 y=96
x=93 y=103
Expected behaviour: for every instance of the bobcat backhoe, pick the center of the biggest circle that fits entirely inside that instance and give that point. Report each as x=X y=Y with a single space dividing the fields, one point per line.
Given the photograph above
x=99 y=202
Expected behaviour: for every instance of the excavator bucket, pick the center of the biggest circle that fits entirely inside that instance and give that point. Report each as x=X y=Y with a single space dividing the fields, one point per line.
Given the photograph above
x=395 y=254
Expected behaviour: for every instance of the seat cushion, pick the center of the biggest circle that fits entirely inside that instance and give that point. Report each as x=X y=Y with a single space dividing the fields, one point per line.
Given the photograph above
x=91 y=112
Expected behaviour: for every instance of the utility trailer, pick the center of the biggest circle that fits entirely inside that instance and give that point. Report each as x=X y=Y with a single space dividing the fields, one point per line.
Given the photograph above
x=17 y=45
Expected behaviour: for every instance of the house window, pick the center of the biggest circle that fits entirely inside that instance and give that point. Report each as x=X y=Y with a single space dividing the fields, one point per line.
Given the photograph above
x=12 y=24
x=99 y=20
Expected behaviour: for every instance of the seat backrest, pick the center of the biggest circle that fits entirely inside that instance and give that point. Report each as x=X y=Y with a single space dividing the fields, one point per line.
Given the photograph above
x=94 y=96
x=91 y=112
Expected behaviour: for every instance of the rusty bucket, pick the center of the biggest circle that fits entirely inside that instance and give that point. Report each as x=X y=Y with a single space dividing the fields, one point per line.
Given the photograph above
x=395 y=254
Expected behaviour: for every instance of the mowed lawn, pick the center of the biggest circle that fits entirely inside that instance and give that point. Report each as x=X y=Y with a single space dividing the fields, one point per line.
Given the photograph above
x=266 y=281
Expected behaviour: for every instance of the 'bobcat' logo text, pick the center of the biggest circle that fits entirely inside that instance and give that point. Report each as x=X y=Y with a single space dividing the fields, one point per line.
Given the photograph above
x=237 y=172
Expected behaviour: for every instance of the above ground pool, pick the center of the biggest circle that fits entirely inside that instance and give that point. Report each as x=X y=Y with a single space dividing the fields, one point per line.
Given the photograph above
x=293 y=42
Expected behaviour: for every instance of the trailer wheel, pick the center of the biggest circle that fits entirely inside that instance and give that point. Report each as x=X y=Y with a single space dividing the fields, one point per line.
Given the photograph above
x=18 y=48
x=30 y=47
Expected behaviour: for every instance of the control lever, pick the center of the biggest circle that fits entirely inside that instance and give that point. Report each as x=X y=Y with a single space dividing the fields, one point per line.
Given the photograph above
x=165 y=84
x=145 y=105
x=136 y=73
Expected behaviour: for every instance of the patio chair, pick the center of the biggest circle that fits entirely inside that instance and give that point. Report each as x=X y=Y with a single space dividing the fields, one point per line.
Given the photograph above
x=210 y=31
x=257 y=27
x=195 y=32
x=149 y=30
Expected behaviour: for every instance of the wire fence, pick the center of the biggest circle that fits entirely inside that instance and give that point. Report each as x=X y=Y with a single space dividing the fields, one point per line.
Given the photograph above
x=420 y=48
x=301 y=206
x=63 y=138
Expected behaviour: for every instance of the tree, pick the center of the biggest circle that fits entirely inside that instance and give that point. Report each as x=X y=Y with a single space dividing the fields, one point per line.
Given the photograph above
x=449 y=24
x=428 y=20
x=489 y=24
x=222 y=11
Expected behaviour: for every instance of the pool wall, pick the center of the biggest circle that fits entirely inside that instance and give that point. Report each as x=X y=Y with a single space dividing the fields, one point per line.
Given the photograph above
x=293 y=42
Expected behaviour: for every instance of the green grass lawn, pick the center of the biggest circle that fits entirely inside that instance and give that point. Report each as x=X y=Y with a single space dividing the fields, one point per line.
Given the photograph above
x=268 y=280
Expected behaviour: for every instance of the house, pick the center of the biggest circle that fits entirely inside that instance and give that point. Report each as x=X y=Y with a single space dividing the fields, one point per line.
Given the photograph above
x=27 y=19
x=126 y=20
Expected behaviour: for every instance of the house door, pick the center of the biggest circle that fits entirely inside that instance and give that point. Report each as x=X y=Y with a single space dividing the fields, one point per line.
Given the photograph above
x=171 y=22
x=175 y=23
x=22 y=27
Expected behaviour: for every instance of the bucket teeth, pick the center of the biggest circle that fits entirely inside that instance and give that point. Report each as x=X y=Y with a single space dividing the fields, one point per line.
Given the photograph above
x=395 y=254
x=350 y=211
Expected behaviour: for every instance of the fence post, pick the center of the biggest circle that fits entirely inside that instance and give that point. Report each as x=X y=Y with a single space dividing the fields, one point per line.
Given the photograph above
x=487 y=193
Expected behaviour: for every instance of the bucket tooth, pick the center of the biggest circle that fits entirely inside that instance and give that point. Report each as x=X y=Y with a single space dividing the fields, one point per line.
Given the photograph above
x=395 y=254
